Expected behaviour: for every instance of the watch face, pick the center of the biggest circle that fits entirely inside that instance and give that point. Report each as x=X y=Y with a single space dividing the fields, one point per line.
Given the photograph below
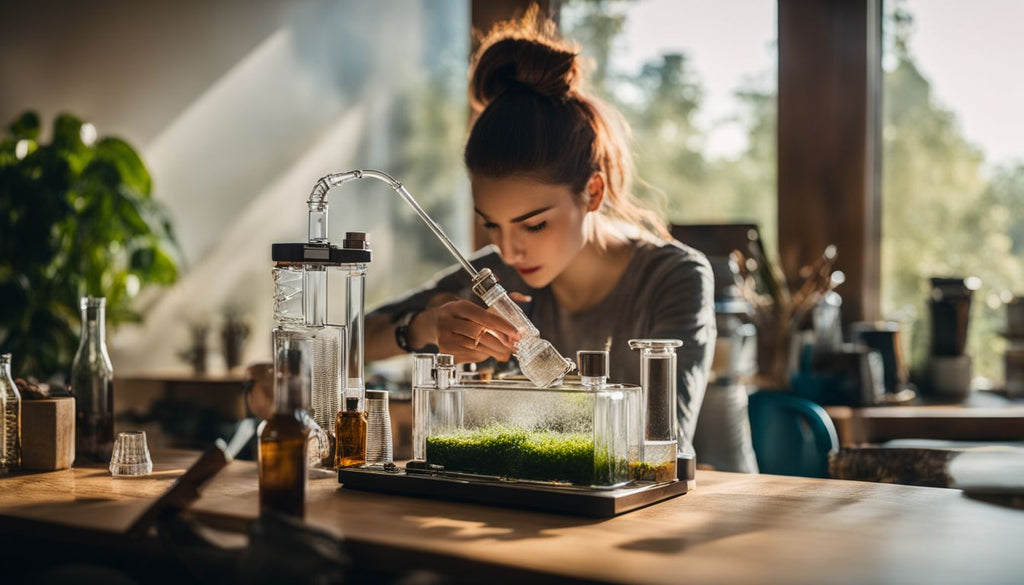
x=402 y=331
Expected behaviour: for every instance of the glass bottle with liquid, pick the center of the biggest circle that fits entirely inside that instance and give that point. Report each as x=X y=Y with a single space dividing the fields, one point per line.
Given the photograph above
x=283 y=442
x=538 y=359
x=92 y=383
x=350 y=435
x=10 y=424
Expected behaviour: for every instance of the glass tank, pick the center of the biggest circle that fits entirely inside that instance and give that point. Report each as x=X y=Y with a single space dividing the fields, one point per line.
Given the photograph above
x=569 y=434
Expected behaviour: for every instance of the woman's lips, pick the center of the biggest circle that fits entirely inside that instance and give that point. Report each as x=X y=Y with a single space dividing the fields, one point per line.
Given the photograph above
x=525 y=271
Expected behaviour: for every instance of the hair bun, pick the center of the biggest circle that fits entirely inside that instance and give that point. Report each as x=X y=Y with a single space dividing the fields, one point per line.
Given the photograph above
x=546 y=66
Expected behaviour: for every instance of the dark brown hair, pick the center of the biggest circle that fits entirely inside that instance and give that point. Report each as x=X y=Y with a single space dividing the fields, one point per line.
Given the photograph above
x=533 y=119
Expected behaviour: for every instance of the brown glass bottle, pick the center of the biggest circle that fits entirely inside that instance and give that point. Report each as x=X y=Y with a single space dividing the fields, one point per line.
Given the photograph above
x=284 y=439
x=350 y=435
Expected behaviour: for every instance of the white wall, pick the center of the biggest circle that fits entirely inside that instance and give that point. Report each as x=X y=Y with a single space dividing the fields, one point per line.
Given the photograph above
x=237 y=107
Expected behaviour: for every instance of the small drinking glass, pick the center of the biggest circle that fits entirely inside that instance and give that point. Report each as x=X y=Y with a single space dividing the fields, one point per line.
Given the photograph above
x=378 y=428
x=131 y=455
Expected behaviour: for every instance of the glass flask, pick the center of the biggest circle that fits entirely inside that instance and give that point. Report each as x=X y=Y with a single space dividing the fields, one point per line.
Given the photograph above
x=10 y=424
x=92 y=383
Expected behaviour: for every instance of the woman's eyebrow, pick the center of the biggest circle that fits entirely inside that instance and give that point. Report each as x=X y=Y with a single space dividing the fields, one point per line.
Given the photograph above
x=520 y=218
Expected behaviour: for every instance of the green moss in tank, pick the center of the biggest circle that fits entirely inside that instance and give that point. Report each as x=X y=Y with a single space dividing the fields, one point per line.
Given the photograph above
x=518 y=453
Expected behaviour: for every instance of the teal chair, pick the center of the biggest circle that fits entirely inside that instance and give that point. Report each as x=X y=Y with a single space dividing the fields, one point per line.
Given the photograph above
x=791 y=434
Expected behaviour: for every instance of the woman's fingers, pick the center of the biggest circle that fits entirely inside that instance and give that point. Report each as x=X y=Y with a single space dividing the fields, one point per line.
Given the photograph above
x=471 y=333
x=495 y=347
x=469 y=311
x=520 y=297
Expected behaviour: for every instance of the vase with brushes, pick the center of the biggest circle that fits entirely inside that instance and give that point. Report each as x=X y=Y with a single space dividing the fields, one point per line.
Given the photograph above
x=779 y=309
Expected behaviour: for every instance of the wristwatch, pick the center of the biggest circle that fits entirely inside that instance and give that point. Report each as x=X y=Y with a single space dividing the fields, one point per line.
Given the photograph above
x=402 y=331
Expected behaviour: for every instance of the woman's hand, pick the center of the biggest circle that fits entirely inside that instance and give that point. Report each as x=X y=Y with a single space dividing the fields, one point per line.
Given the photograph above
x=468 y=331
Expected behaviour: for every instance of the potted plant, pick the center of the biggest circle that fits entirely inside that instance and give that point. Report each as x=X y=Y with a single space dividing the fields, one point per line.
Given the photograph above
x=76 y=218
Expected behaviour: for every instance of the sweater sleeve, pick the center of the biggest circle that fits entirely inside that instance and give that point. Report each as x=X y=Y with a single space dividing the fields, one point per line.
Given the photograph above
x=682 y=307
x=453 y=280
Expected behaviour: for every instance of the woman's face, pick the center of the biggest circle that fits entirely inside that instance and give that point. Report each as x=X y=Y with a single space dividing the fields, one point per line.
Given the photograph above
x=537 y=226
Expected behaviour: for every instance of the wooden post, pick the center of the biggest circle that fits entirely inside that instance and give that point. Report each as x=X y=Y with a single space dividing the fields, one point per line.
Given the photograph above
x=828 y=142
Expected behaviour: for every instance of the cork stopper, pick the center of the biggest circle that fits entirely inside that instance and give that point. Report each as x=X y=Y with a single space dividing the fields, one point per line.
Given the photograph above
x=356 y=240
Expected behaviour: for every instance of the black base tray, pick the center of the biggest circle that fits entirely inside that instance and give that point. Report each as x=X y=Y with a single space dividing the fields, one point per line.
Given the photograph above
x=577 y=501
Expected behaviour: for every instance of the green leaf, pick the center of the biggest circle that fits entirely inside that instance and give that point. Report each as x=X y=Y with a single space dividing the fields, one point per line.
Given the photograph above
x=133 y=172
x=25 y=127
x=67 y=133
x=164 y=270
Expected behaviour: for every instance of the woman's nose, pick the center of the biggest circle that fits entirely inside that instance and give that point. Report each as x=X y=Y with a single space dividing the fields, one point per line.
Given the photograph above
x=511 y=247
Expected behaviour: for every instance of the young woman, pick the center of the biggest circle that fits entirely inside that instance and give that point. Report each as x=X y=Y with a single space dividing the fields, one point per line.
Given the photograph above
x=550 y=178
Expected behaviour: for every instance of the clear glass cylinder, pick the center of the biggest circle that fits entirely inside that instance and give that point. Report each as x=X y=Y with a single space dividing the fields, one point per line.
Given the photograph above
x=355 y=291
x=378 y=428
x=658 y=380
x=92 y=383
x=422 y=378
x=323 y=361
x=314 y=295
x=317 y=221
x=10 y=423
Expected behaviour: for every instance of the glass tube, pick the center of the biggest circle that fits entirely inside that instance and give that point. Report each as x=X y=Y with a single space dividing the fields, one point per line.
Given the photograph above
x=314 y=294
x=422 y=381
x=658 y=380
x=355 y=289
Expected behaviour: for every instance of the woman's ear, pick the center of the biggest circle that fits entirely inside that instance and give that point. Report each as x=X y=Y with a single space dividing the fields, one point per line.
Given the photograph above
x=595 y=192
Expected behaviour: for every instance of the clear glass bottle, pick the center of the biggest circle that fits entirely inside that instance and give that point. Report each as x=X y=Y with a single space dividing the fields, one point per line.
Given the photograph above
x=350 y=435
x=283 y=442
x=92 y=383
x=538 y=359
x=10 y=424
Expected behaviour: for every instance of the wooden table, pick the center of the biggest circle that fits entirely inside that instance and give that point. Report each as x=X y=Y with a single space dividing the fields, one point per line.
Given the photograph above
x=732 y=528
x=983 y=417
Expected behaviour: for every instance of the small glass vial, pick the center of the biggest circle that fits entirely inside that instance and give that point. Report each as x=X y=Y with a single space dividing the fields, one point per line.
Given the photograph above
x=378 y=430
x=10 y=424
x=283 y=440
x=350 y=435
x=593 y=367
x=92 y=383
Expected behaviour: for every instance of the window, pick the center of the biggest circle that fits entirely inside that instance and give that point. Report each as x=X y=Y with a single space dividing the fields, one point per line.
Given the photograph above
x=697 y=86
x=953 y=164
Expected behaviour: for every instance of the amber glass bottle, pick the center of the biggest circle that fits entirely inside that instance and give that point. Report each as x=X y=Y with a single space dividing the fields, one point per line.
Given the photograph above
x=350 y=435
x=283 y=441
